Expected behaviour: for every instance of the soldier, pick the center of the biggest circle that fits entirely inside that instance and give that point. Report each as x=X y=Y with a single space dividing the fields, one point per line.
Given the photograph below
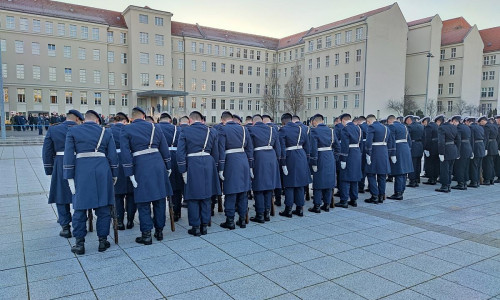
x=171 y=133
x=364 y=128
x=150 y=119
x=461 y=166
x=449 y=150
x=266 y=119
x=401 y=163
x=52 y=155
x=146 y=161
x=478 y=151
x=350 y=162
x=235 y=169
x=267 y=152
x=431 y=152
x=123 y=187
x=416 y=132
x=296 y=120
x=338 y=129
x=294 y=154
x=491 y=145
x=197 y=153
x=324 y=147
x=237 y=119
x=91 y=168
x=378 y=141
x=497 y=159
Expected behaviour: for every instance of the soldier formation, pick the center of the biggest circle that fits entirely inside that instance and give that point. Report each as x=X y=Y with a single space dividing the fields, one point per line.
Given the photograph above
x=127 y=167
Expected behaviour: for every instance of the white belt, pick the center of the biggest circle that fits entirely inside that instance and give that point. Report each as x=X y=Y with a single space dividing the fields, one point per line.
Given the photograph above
x=172 y=148
x=263 y=148
x=293 y=148
x=90 y=154
x=324 y=149
x=379 y=144
x=353 y=145
x=145 y=151
x=364 y=140
x=203 y=153
x=118 y=150
x=235 y=150
x=60 y=153
x=401 y=141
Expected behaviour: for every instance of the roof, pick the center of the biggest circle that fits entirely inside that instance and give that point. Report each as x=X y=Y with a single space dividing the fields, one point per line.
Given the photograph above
x=454 y=31
x=65 y=11
x=491 y=39
x=420 y=21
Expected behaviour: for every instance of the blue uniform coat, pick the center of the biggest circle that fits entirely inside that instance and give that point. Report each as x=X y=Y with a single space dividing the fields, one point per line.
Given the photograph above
x=490 y=138
x=123 y=185
x=477 y=139
x=324 y=137
x=404 y=163
x=465 y=137
x=448 y=141
x=379 y=154
x=431 y=138
x=416 y=132
x=171 y=133
x=296 y=160
x=351 y=135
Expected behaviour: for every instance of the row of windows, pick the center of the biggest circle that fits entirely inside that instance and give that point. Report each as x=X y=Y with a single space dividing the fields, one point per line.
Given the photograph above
x=144 y=19
x=451 y=88
x=224 y=104
x=337 y=39
x=326 y=81
x=489 y=60
x=68 y=97
x=489 y=75
x=144 y=39
x=451 y=72
x=336 y=59
x=487 y=92
x=222 y=87
x=449 y=107
x=197 y=47
x=453 y=53
x=334 y=104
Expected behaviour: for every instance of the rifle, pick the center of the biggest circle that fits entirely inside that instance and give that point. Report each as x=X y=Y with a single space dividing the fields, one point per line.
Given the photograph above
x=272 y=206
x=332 y=204
x=246 y=217
x=171 y=213
x=219 y=204
x=91 y=220
x=115 y=222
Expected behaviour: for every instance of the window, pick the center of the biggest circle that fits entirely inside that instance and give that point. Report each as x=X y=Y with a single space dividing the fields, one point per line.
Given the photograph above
x=346 y=99
x=20 y=71
x=318 y=62
x=95 y=34
x=83 y=76
x=123 y=38
x=258 y=55
x=222 y=104
x=209 y=49
x=181 y=103
x=336 y=80
x=325 y=102
x=193 y=84
x=160 y=59
x=51 y=49
x=484 y=92
x=309 y=83
x=450 y=106
x=193 y=102
x=441 y=56
x=348 y=36
x=37 y=96
x=222 y=86
x=84 y=32
x=52 y=74
x=242 y=69
x=68 y=95
x=49 y=27
x=159 y=40
x=250 y=70
x=81 y=53
x=358 y=78
x=112 y=99
x=67 y=51
x=83 y=98
x=308 y=103
x=97 y=98
x=214 y=85
x=347 y=57
x=181 y=83
x=359 y=33
x=10 y=24
x=110 y=37
x=111 y=78
x=453 y=52
x=97 y=77
x=67 y=74
x=486 y=60
x=158 y=21
x=358 y=55
x=111 y=56
x=257 y=88
x=327 y=61
x=257 y=105
x=180 y=46
x=346 y=79
x=316 y=103
x=240 y=89
x=124 y=99
x=160 y=80
x=337 y=58
x=328 y=42
x=144 y=79
x=124 y=79
x=356 y=100
x=36 y=25
x=258 y=71
x=490 y=92
x=338 y=39
x=311 y=46
x=203 y=66
x=249 y=105
x=143 y=37
x=327 y=79
x=452 y=69
x=492 y=75
x=240 y=104
x=245 y=53
x=193 y=65
x=144 y=58
x=231 y=87
x=441 y=71
x=19 y=47
x=335 y=102
x=23 y=24
x=36 y=72
x=440 y=89
x=249 y=88
x=202 y=48
x=214 y=103
x=53 y=97
x=310 y=63
x=72 y=31
x=319 y=43
x=252 y=54
x=96 y=54
x=451 y=86
x=21 y=95
x=143 y=19
x=317 y=83
x=485 y=75
x=223 y=68
x=123 y=58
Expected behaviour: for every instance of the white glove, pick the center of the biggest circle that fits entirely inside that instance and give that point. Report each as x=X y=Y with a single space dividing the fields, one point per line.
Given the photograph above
x=221 y=175
x=115 y=180
x=285 y=170
x=486 y=152
x=343 y=164
x=50 y=177
x=169 y=172
x=71 y=183
x=368 y=159
x=441 y=157
x=427 y=153
x=498 y=152
x=134 y=183
x=251 y=173
x=315 y=169
x=185 y=177
x=394 y=159
x=472 y=157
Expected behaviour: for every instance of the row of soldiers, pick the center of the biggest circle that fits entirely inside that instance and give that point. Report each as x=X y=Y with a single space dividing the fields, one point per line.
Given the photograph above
x=136 y=166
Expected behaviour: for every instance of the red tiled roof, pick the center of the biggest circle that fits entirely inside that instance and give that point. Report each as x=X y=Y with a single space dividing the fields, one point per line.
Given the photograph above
x=491 y=39
x=454 y=31
x=65 y=11
x=420 y=21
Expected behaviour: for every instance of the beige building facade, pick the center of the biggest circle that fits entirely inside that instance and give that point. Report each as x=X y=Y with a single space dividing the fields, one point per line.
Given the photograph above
x=490 y=76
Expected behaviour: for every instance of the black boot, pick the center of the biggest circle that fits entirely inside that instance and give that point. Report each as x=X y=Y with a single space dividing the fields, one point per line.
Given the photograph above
x=287 y=212
x=372 y=199
x=298 y=211
x=361 y=190
x=241 y=222
x=474 y=185
x=229 y=224
x=213 y=209
x=130 y=224
x=259 y=218
x=267 y=216
x=460 y=186
x=443 y=189
x=412 y=184
x=177 y=216
x=145 y=238
x=65 y=231
x=79 y=247
x=158 y=234
x=381 y=198
x=277 y=202
x=204 y=229
x=325 y=207
x=430 y=182
x=353 y=203
x=195 y=230
x=315 y=209
x=121 y=226
x=103 y=244
x=341 y=204
x=396 y=196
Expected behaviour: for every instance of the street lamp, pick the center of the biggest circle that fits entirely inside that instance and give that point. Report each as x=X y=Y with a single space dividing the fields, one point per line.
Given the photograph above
x=429 y=56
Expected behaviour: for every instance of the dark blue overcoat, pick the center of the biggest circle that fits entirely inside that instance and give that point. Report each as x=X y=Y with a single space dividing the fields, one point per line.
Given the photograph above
x=323 y=137
x=266 y=162
x=402 y=141
x=172 y=133
x=123 y=185
x=295 y=160
x=351 y=135
x=379 y=153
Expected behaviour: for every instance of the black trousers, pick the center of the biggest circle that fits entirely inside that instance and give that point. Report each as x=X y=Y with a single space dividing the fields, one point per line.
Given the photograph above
x=433 y=167
x=461 y=169
x=488 y=168
x=417 y=166
x=445 y=170
x=475 y=169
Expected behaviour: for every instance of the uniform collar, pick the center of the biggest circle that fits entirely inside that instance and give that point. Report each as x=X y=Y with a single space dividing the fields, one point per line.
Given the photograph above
x=69 y=122
x=138 y=121
x=321 y=124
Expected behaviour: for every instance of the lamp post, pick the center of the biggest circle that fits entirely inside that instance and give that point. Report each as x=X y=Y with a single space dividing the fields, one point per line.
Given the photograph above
x=429 y=56
x=2 y=101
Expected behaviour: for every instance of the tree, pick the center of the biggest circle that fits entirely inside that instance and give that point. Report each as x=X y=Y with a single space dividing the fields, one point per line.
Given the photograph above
x=409 y=104
x=396 y=105
x=431 y=107
x=270 y=92
x=294 y=92
x=460 y=106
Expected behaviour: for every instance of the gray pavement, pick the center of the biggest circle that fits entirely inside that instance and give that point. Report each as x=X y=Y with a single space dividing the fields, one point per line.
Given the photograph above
x=428 y=246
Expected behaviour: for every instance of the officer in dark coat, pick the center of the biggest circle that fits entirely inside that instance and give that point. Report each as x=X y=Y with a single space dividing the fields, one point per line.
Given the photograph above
x=123 y=187
x=146 y=161
x=91 y=168
x=461 y=166
x=266 y=119
x=478 y=150
x=350 y=162
x=172 y=133
x=401 y=163
x=364 y=128
x=235 y=169
x=52 y=156
x=338 y=129
x=324 y=147
x=267 y=151
x=497 y=159
x=378 y=141
x=449 y=150
x=491 y=145
x=416 y=133
x=294 y=163
x=307 y=129
x=431 y=151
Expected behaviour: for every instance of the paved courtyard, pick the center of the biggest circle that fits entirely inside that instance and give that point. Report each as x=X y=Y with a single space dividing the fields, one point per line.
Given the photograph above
x=429 y=246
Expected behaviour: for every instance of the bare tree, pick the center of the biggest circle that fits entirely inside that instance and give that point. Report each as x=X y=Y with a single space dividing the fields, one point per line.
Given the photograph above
x=471 y=109
x=410 y=106
x=431 y=107
x=396 y=105
x=271 y=92
x=460 y=106
x=294 y=91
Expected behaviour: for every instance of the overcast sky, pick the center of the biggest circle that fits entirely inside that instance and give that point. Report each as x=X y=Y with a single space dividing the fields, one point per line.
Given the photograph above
x=279 y=18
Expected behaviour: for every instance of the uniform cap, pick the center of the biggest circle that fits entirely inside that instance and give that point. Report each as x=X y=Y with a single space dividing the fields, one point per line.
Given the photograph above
x=165 y=115
x=76 y=113
x=456 y=118
x=237 y=117
x=95 y=114
x=342 y=116
x=123 y=115
x=317 y=116
x=286 y=116
x=137 y=108
x=482 y=118
x=440 y=117
x=428 y=119
x=497 y=117
x=408 y=117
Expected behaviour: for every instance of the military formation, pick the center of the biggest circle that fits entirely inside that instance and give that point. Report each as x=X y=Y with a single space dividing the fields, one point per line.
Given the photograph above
x=139 y=166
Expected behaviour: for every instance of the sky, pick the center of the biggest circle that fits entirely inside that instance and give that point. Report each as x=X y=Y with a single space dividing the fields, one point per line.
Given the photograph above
x=280 y=18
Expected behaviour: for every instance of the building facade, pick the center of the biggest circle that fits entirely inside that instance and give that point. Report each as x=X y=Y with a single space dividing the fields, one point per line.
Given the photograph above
x=490 y=77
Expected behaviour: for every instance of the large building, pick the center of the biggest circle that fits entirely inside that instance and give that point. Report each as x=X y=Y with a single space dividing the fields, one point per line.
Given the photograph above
x=490 y=77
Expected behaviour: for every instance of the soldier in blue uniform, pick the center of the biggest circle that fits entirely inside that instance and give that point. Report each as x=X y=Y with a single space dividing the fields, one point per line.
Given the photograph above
x=350 y=162
x=364 y=128
x=52 y=156
x=401 y=163
x=123 y=187
x=172 y=133
x=497 y=158
x=416 y=133
x=431 y=152
x=266 y=119
x=378 y=141
x=294 y=163
x=296 y=120
x=491 y=146
x=197 y=154
x=337 y=129
x=449 y=150
x=146 y=161
x=235 y=169
x=324 y=147
x=461 y=166
x=267 y=151
x=90 y=165
x=478 y=151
